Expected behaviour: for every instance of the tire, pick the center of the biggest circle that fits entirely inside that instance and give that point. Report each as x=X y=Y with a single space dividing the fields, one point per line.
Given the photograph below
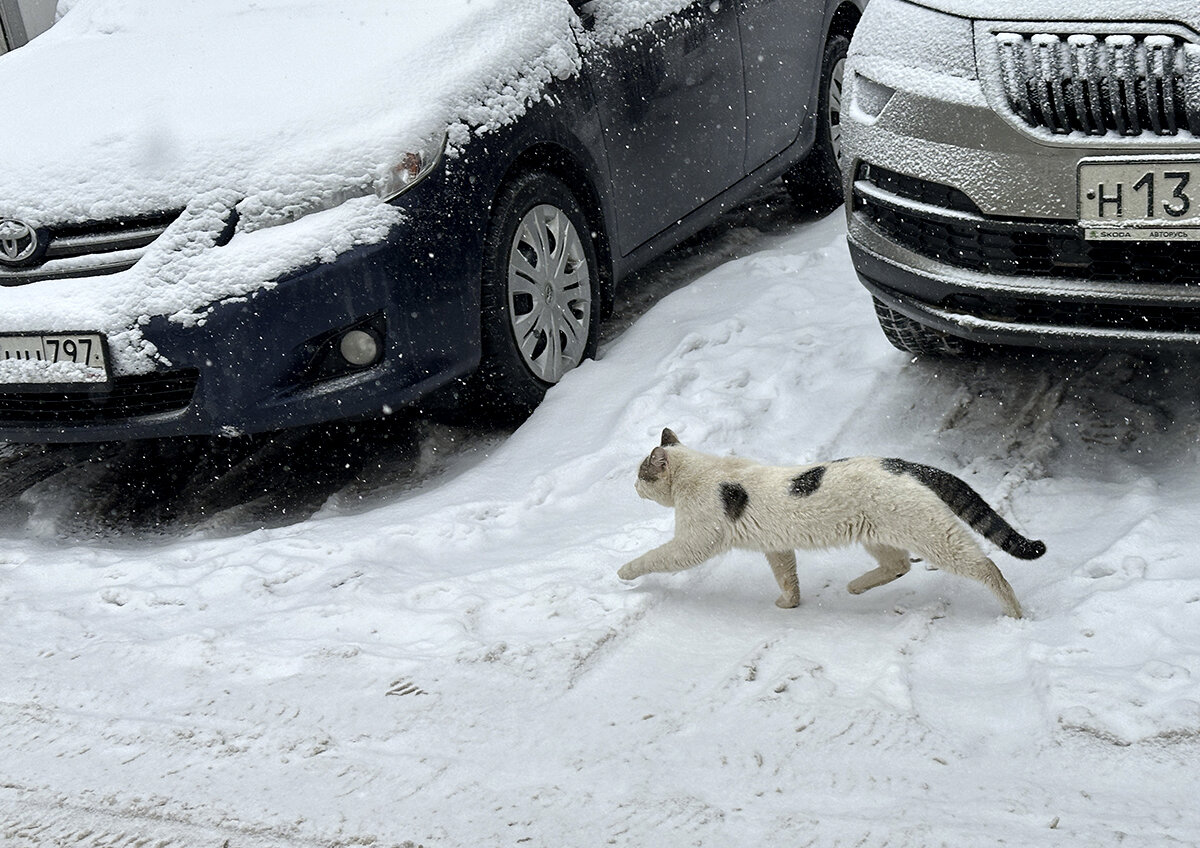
x=911 y=337
x=815 y=183
x=540 y=293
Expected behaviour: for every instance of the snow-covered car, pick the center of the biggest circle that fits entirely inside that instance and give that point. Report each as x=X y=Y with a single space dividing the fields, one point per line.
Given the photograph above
x=1027 y=173
x=219 y=217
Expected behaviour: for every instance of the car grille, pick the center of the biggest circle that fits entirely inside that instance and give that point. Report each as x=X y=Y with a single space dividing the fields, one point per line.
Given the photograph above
x=1096 y=84
x=955 y=236
x=128 y=397
x=86 y=250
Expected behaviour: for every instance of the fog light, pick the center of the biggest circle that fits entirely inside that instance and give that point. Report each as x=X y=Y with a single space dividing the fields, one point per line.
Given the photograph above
x=359 y=348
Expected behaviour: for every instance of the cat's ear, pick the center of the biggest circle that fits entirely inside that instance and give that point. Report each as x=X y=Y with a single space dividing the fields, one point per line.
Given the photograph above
x=669 y=438
x=658 y=460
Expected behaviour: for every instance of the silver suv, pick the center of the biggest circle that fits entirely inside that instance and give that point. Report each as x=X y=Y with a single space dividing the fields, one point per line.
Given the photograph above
x=1026 y=173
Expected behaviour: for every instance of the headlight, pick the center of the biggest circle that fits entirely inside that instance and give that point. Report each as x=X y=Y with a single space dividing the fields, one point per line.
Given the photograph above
x=276 y=208
x=410 y=169
x=900 y=45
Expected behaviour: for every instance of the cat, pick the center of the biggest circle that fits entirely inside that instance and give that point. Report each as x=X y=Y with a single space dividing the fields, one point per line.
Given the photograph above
x=890 y=506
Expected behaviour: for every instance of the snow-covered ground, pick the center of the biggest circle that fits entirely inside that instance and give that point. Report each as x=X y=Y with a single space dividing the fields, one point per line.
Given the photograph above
x=452 y=661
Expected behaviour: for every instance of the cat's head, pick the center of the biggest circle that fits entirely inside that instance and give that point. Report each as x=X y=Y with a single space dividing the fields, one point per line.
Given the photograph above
x=654 y=474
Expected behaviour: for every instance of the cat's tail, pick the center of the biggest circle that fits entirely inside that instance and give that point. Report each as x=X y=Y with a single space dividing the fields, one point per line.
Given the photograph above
x=966 y=503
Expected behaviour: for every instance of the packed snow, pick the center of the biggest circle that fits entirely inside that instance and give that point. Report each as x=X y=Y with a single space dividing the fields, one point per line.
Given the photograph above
x=453 y=661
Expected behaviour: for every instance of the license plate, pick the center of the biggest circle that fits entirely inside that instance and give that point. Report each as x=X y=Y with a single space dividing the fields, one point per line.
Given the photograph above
x=49 y=359
x=1139 y=198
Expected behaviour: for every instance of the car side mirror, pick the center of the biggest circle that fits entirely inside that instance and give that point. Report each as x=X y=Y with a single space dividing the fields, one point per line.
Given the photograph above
x=583 y=8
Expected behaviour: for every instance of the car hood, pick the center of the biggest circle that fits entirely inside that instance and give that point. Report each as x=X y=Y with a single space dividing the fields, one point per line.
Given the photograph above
x=133 y=106
x=1180 y=11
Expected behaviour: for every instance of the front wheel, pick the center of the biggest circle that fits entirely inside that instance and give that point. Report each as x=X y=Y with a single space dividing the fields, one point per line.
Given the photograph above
x=540 y=292
x=815 y=183
x=911 y=337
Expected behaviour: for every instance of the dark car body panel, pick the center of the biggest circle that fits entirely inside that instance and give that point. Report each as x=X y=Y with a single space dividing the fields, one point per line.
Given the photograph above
x=663 y=168
x=782 y=65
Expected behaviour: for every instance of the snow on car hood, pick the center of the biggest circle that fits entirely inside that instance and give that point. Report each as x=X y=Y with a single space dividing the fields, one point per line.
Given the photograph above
x=143 y=106
x=132 y=106
x=1181 y=11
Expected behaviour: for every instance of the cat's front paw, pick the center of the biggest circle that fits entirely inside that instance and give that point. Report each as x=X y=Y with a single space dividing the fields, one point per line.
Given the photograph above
x=787 y=601
x=629 y=571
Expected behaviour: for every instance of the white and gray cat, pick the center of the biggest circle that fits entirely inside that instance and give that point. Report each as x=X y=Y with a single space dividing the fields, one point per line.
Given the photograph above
x=890 y=506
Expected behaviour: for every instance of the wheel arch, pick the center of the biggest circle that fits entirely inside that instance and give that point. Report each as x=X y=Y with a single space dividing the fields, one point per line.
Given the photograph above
x=844 y=21
x=567 y=166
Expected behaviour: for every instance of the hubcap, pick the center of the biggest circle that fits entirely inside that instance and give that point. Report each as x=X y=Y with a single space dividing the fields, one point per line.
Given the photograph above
x=834 y=113
x=549 y=293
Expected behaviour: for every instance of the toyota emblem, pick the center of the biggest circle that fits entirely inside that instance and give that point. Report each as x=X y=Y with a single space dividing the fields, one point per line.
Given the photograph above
x=18 y=241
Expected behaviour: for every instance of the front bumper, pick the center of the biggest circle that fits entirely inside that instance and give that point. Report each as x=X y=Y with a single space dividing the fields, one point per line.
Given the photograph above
x=248 y=367
x=992 y=312
x=1017 y=281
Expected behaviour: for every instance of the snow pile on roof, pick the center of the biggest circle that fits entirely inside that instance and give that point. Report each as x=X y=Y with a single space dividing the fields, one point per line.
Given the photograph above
x=137 y=106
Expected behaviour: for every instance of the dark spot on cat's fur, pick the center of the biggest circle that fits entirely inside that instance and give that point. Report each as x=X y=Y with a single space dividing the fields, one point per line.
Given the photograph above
x=805 y=484
x=734 y=499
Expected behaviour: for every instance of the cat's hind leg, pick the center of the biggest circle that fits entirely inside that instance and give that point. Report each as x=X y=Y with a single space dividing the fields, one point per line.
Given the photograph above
x=893 y=563
x=986 y=572
x=783 y=566
x=956 y=551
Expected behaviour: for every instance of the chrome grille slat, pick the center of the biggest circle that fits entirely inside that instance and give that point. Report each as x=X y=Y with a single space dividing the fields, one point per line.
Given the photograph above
x=1122 y=84
x=1086 y=76
x=1160 y=75
x=73 y=267
x=102 y=242
x=86 y=250
x=1117 y=83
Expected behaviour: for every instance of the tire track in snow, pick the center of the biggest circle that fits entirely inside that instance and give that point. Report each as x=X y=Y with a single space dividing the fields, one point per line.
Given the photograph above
x=31 y=820
x=1015 y=417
